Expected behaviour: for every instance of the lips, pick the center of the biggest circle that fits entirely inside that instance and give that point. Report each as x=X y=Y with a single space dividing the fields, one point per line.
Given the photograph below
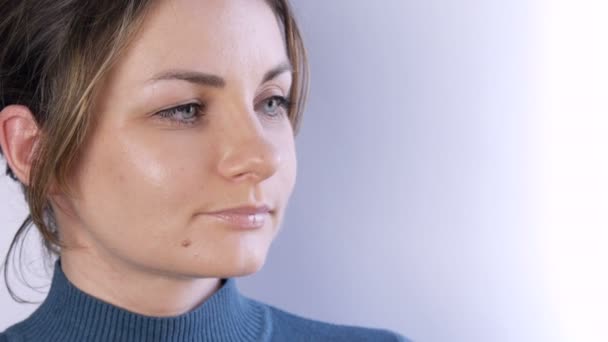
x=244 y=210
x=243 y=220
x=247 y=217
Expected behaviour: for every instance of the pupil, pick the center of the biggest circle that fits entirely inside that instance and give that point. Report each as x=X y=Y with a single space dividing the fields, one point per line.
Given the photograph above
x=271 y=103
x=189 y=110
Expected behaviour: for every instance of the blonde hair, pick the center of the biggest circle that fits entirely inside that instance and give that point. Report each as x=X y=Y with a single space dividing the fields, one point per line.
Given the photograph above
x=53 y=58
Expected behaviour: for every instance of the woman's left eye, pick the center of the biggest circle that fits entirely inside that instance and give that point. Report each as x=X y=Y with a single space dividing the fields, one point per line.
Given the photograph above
x=274 y=105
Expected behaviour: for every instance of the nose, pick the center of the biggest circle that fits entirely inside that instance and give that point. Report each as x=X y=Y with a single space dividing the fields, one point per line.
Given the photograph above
x=247 y=151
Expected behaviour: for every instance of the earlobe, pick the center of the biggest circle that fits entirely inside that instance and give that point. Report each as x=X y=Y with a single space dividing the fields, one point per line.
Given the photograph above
x=18 y=136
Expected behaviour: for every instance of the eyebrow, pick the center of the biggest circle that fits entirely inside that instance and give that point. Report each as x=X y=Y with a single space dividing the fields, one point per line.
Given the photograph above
x=211 y=80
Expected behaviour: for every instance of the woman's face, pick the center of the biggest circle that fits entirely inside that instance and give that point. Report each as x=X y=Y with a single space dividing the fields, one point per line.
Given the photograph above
x=189 y=121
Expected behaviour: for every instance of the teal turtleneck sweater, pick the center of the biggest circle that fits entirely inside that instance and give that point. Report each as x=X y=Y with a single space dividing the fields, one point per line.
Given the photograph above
x=71 y=315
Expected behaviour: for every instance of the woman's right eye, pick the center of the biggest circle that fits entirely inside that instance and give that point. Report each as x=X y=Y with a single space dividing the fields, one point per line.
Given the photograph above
x=186 y=114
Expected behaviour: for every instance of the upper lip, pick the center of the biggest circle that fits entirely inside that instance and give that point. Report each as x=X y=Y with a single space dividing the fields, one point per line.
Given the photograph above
x=244 y=210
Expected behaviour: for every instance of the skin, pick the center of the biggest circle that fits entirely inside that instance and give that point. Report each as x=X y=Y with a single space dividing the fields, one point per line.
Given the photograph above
x=143 y=182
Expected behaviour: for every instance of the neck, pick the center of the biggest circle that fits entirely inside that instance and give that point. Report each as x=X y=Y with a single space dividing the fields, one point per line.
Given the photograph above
x=136 y=288
x=69 y=314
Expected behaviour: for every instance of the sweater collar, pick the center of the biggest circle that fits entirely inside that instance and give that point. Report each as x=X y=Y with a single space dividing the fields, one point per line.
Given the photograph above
x=69 y=314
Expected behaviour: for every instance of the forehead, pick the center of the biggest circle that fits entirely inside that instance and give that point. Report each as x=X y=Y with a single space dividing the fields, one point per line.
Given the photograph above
x=232 y=38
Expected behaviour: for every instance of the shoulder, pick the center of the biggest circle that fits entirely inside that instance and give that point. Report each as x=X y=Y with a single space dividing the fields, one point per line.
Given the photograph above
x=3 y=336
x=287 y=326
x=13 y=333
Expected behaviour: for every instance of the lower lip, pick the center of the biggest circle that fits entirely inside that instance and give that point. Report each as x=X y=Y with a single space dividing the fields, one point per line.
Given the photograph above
x=243 y=221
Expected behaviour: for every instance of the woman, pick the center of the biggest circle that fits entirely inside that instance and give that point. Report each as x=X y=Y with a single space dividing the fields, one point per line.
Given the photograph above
x=154 y=142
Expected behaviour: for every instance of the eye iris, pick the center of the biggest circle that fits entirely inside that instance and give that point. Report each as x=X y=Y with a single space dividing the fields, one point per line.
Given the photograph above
x=271 y=104
x=189 y=111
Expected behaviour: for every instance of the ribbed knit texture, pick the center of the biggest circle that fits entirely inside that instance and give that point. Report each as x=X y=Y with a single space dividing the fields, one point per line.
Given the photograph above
x=71 y=315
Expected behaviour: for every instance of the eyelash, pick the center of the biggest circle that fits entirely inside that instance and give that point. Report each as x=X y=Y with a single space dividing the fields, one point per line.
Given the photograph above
x=284 y=105
x=168 y=114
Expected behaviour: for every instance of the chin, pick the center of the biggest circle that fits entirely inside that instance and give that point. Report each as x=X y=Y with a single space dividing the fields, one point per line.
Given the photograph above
x=241 y=262
x=246 y=262
x=245 y=255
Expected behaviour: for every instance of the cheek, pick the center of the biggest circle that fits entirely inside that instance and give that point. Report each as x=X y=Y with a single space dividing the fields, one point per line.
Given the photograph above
x=134 y=175
x=289 y=166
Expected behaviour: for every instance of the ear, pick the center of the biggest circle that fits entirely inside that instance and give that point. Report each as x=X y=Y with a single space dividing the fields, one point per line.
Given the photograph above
x=18 y=136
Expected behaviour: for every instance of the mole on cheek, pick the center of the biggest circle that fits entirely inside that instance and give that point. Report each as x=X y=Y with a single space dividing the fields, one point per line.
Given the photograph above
x=186 y=243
